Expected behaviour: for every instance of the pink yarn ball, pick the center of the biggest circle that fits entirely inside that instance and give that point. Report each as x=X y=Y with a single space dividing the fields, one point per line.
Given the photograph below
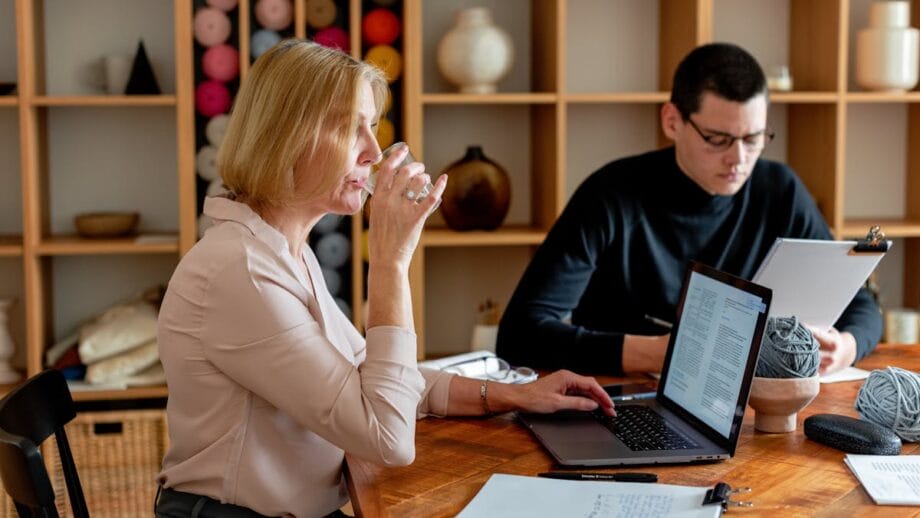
x=223 y=5
x=274 y=14
x=221 y=62
x=212 y=98
x=212 y=26
x=333 y=37
x=380 y=27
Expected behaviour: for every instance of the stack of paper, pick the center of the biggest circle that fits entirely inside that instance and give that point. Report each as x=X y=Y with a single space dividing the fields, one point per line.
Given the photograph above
x=889 y=480
x=512 y=496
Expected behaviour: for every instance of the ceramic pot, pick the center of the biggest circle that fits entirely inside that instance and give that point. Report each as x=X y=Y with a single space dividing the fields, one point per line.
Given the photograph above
x=478 y=193
x=777 y=401
x=7 y=346
x=475 y=53
x=887 y=55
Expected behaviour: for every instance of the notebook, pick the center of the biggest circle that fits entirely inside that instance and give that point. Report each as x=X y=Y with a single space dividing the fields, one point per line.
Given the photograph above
x=705 y=382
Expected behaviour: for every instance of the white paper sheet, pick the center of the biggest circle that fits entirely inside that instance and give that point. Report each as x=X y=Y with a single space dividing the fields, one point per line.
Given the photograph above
x=513 y=496
x=814 y=280
x=889 y=479
x=848 y=374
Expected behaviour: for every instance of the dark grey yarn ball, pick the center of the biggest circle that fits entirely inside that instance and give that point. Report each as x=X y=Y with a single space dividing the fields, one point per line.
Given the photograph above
x=789 y=350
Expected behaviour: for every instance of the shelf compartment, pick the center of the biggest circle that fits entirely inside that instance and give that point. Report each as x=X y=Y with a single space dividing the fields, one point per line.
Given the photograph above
x=498 y=98
x=617 y=97
x=504 y=236
x=104 y=100
x=10 y=246
x=532 y=26
x=796 y=97
x=892 y=227
x=154 y=392
x=75 y=245
x=882 y=97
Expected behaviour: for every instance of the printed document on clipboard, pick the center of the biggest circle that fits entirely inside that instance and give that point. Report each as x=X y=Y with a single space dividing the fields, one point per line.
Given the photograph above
x=813 y=279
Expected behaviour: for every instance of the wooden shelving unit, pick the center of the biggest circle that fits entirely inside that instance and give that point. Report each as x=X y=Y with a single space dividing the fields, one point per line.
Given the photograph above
x=40 y=104
x=557 y=93
x=535 y=125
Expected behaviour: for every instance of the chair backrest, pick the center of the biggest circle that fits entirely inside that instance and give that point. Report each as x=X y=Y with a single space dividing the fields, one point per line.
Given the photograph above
x=30 y=414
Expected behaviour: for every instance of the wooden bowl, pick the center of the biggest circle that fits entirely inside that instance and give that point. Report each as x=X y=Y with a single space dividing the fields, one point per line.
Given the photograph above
x=106 y=224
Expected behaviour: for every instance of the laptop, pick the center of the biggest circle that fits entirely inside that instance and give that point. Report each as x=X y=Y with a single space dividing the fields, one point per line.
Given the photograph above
x=697 y=410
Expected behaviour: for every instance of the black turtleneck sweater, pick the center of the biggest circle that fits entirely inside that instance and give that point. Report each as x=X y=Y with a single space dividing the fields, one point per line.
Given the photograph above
x=620 y=249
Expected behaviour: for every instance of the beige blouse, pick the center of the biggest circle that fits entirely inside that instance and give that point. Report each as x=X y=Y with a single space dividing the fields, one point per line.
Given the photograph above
x=270 y=383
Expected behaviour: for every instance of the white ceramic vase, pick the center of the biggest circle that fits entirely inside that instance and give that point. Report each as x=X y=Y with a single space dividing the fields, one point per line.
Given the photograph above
x=887 y=52
x=7 y=346
x=475 y=54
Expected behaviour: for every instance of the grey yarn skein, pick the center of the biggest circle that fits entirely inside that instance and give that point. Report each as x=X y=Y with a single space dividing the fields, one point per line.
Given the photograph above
x=891 y=398
x=789 y=350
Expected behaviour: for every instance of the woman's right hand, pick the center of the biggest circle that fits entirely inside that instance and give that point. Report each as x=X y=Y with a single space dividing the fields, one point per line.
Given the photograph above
x=396 y=221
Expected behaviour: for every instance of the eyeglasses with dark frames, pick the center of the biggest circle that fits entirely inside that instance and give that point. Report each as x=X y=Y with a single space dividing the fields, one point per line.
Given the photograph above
x=718 y=141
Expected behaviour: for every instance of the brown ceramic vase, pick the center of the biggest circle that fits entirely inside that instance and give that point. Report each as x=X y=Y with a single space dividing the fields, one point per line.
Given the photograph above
x=478 y=193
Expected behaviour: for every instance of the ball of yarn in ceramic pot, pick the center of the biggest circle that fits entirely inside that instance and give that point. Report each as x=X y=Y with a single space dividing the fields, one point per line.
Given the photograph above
x=478 y=193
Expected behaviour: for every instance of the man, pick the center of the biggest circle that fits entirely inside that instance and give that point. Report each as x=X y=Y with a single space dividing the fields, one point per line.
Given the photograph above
x=613 y=264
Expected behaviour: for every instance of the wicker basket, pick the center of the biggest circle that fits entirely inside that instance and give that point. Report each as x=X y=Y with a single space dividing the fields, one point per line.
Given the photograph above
x=118 y=455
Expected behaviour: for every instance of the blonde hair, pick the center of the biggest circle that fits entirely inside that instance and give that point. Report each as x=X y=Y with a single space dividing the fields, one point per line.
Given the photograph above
x=300 y=99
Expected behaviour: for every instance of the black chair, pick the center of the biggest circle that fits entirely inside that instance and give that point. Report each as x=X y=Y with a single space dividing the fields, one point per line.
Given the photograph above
x=28 y=415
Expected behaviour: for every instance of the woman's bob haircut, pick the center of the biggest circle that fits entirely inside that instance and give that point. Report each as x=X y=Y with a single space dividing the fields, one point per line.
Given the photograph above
x=300 y=101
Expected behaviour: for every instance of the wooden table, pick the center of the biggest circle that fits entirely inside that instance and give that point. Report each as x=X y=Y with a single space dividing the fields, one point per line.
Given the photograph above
x=790 y=474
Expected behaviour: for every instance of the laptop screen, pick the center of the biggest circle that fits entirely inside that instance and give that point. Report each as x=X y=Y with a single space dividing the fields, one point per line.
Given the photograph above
x=709 y=360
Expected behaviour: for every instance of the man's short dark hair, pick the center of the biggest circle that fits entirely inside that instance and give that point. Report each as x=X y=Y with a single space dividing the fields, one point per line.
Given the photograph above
x=721 y=68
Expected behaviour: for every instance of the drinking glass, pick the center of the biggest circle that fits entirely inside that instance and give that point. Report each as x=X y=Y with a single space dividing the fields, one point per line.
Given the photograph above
x=371 y=182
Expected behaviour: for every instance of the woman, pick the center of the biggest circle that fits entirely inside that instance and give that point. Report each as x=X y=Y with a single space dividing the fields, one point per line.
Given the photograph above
x=269 y=383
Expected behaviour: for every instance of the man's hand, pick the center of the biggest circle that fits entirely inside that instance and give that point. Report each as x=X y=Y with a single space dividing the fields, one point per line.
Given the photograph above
x=838 y=350
x=644 y=353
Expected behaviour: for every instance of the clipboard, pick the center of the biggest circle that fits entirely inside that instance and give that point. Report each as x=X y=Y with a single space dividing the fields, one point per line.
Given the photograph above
x=815 y=280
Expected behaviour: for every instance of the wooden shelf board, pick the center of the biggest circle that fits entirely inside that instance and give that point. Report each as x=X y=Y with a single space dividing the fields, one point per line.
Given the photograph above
x=105 y=100
x=506 y=236
x=803 y=97
x=9 y=100
x=10 y=246
x=617 y=97
x=75 y=245
x=498 y=98
x=883 y=97
x=857 y=228
x=129 y=393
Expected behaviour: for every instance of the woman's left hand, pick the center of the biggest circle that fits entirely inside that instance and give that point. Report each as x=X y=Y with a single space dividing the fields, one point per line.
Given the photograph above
x=561 y=390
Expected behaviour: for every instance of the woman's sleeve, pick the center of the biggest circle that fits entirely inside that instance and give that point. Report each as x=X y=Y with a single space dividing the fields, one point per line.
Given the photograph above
x=437 y=392
x=265 y=339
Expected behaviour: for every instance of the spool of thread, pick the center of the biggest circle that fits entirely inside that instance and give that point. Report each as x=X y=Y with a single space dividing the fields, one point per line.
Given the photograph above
x=334 y=38
x=212 y=26
x=261 y=41
x=902 y=326
x=221 y=62
x=891 y=398
x=216 y=129
x=206 y=163
x=212 y=98
x=789 y=350
x=276 y=15
x=333 y=250
x=385 y=58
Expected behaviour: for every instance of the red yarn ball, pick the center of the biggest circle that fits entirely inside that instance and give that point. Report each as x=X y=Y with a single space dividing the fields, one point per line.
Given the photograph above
x=212 y=98
x=333 y=37
x=221 y=62
x=380 y=27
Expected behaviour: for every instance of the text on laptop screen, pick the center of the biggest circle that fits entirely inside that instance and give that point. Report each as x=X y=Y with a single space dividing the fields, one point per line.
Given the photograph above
x=711 y=349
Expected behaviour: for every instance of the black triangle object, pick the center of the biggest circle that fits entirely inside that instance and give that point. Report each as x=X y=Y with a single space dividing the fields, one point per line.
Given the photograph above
x=142 y=80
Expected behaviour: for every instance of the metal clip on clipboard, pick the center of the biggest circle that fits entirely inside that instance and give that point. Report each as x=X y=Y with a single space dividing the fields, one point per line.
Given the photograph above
x=721 y=494
x=874 y=243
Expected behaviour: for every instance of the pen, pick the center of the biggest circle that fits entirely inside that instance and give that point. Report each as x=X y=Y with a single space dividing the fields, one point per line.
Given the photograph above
x=659 y=322
x=617 y=477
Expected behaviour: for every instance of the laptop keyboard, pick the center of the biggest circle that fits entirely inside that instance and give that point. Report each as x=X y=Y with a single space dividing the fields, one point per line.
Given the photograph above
x=642 y=429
